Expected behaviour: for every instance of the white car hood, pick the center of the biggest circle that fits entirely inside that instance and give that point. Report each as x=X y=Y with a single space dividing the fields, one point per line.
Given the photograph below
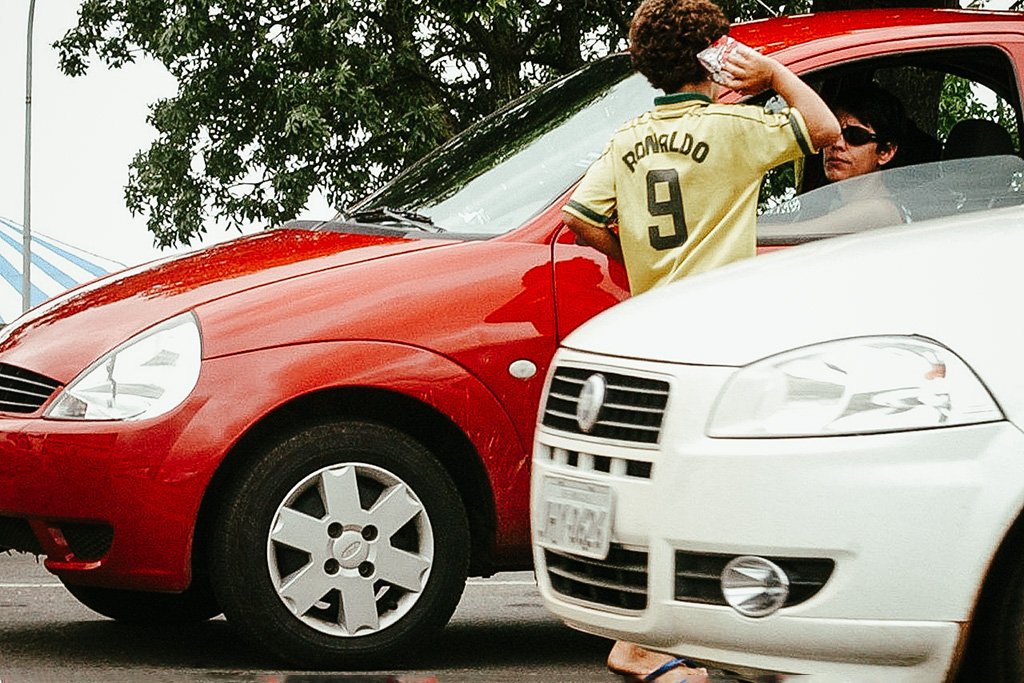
x=953 y=281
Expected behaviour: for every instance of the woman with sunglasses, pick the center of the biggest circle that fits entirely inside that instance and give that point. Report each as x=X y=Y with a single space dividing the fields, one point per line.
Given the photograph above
x=873 y=124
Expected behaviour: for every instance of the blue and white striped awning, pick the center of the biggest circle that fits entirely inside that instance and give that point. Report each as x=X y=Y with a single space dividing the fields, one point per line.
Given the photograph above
x=56 y=267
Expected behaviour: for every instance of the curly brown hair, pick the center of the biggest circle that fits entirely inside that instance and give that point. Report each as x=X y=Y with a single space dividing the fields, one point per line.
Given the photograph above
x=666 y=36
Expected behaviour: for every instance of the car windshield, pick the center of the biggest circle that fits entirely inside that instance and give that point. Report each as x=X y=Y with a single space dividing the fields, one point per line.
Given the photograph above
x=892 y=197
x=505 y=169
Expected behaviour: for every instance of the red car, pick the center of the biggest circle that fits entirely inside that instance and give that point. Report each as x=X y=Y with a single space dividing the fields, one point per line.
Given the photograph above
x=322 y=430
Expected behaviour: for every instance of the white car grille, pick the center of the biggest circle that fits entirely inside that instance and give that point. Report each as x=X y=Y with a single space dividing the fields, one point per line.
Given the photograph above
x=618 y=581
x=594 y=465
x=632 y=411
x=698 y=576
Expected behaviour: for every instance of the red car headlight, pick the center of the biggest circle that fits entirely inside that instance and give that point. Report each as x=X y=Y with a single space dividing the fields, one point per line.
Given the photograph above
x=148 y=375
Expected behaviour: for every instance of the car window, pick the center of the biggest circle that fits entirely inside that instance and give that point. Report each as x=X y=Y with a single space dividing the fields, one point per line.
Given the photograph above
x=901 y=195
x=505 y=169
x=939 y=90
x=499 y=173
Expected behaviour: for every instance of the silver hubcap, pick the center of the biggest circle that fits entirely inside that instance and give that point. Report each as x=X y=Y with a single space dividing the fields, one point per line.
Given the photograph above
x=350 y=549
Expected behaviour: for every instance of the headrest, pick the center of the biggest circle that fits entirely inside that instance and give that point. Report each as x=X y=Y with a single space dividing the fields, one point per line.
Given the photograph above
x=977 y=138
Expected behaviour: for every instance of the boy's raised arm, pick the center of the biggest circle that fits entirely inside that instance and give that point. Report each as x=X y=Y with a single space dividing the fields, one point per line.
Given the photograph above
x=750 y=72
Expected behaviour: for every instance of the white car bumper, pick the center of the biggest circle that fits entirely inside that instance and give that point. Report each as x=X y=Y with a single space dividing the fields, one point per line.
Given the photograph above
x=888 y=536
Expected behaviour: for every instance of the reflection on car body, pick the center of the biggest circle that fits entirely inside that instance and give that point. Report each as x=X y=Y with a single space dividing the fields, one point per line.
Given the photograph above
x=321 y=430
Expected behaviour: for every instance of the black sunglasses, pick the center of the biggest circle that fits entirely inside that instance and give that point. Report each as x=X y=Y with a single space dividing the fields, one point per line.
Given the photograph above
x=857 y=136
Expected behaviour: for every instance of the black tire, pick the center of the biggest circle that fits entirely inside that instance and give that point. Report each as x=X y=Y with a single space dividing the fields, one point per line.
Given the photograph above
x=377 y=548
x=995 y=650
x=195 y=605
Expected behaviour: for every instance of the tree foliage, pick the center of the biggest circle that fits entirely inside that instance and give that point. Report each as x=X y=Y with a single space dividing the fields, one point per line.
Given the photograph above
x=278 y=98
x=959 y=101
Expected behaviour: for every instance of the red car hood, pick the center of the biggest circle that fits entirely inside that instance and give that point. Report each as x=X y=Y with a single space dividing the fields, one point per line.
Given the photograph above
x=109 y=311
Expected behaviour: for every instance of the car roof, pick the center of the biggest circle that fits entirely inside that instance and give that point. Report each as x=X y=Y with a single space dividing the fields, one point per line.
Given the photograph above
x=773 y=35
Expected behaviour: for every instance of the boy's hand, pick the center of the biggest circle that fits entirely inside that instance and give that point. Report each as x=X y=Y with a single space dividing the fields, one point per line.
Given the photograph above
x=747 y=71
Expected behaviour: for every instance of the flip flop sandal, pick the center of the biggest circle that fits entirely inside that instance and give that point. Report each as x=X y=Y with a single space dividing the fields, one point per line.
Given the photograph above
x=668 y=666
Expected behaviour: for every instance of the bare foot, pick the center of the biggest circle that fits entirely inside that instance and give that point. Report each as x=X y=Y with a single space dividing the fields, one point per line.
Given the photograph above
x=633 y=662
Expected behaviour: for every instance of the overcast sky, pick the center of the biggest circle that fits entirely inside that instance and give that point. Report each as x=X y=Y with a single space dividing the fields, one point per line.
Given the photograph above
x=85 y=132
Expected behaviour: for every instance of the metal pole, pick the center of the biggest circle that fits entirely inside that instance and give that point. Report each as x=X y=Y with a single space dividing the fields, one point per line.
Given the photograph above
x=26 y=235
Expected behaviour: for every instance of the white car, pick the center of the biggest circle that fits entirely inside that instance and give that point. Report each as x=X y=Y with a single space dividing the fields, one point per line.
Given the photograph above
x=808 y=463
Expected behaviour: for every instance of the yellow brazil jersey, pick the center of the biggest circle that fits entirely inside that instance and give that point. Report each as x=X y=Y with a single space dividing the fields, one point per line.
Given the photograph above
x=682 y=182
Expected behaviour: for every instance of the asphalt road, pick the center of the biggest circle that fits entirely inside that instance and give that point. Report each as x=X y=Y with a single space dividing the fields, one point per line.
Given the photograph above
x=500 y=632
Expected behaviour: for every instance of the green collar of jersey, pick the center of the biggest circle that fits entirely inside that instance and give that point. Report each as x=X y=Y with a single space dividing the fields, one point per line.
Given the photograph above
x=677 y=97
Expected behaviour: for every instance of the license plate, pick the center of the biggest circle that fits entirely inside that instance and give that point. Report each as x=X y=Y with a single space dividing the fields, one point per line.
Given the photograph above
x=577 y=517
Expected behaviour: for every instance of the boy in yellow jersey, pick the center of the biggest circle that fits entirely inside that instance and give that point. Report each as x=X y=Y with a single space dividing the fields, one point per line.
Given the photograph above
x=682 y=180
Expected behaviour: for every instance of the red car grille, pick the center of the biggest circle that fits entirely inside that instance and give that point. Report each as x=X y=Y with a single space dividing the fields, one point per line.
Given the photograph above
x=23 y=391
x=16 y=534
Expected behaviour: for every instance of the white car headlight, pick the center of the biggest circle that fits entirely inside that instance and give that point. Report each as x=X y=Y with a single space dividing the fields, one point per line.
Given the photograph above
x=852 y=386
x=148 y=375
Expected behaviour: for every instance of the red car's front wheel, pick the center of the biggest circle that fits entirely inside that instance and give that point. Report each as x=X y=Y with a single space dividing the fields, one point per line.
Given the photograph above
x=343 y=546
